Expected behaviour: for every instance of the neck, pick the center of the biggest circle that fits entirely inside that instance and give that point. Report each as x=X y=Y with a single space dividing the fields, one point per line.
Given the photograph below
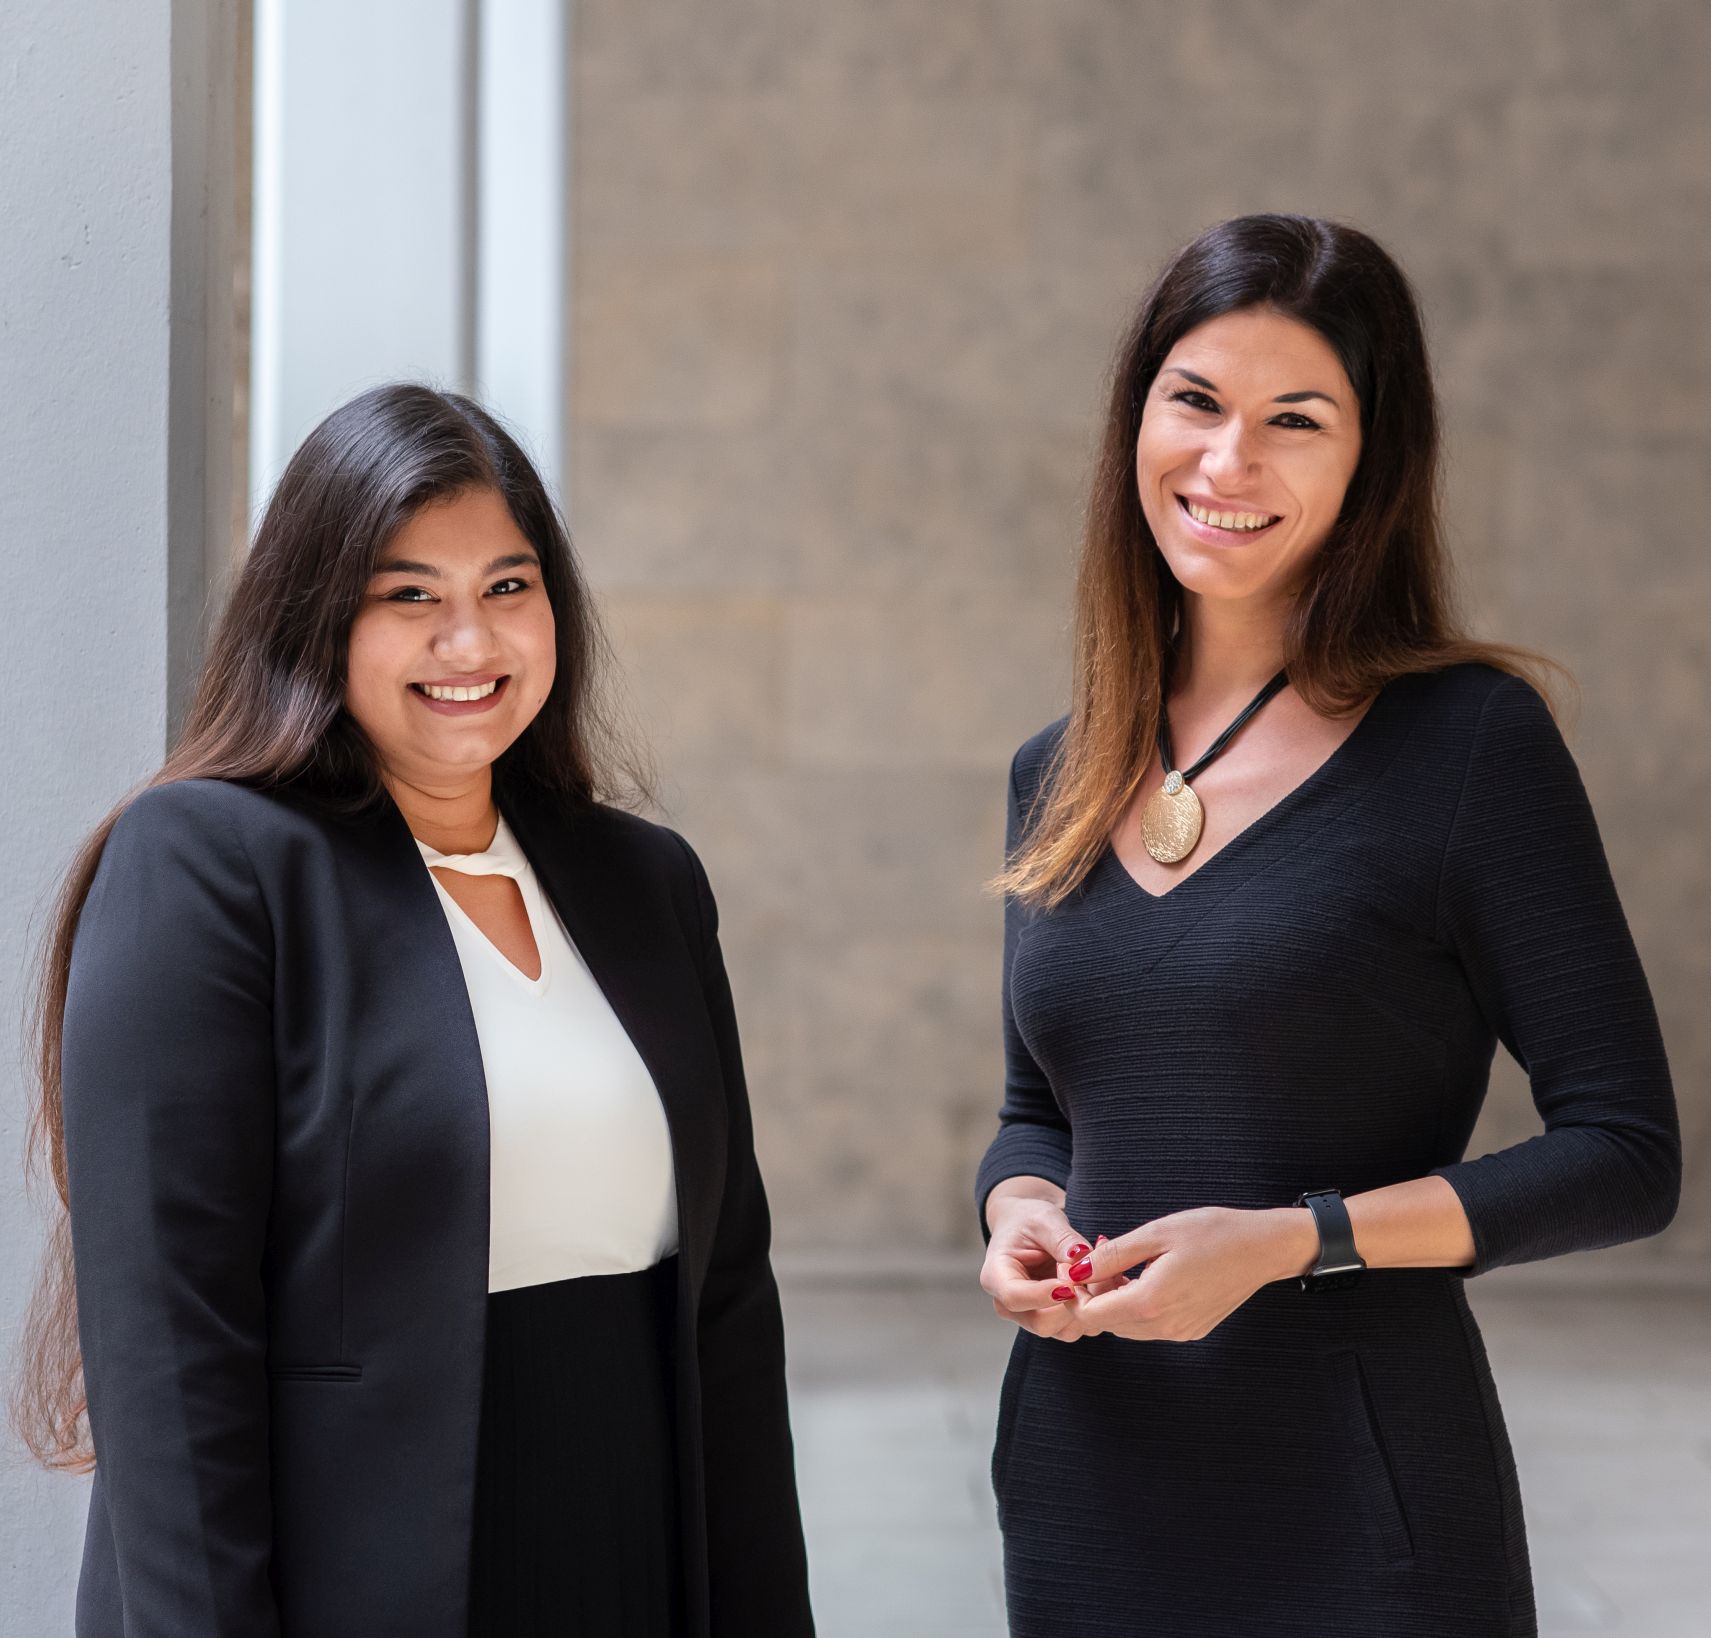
x=455 y=816
x=1227 y=648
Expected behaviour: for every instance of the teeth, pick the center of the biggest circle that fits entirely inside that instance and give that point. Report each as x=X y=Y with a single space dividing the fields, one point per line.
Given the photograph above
x=1228 y=520
x=480 y=693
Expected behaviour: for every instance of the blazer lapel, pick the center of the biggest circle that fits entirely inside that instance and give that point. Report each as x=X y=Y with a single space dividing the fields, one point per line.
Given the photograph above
x=425 y=1086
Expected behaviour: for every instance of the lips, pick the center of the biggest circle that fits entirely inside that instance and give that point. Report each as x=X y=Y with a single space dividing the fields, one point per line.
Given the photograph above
x=1216 y=533
x=461 y=708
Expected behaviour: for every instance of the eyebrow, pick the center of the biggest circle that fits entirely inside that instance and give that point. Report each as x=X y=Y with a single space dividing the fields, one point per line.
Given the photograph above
x=1282 y=397
x=404 y=565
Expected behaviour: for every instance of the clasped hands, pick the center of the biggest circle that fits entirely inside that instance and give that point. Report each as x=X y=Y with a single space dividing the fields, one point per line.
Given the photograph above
x=1195 y=1268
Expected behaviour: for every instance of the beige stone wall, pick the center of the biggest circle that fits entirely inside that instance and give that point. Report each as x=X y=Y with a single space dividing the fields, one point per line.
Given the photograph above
x=846 y=280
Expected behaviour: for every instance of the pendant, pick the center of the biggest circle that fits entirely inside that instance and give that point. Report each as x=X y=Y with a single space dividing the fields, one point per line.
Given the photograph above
x=1172 y=819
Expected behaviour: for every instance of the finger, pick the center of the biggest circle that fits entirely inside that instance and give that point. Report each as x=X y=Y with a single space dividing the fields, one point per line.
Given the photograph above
x=1096 y=1287
x=1070 y=1246
x=1008 y=1263
x=1110 y=1258
x=1054 y=1325
x=1099 y=1288
x=1022 y=1296
x=1127 y=1309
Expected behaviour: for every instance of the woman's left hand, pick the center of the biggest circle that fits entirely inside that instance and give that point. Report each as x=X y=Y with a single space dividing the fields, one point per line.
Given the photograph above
x=1200 y=1267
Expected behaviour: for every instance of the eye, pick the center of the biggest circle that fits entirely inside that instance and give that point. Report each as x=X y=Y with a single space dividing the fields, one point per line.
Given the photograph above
x=1308 y=424
x=402 y=594
x=1187 y=393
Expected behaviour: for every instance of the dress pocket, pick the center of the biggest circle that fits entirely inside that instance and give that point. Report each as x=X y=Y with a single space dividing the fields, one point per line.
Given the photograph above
x=316 y=1373
x=1372 y=1472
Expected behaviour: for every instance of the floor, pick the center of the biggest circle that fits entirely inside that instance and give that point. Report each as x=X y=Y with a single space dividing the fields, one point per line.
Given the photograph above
x=1607 y=1397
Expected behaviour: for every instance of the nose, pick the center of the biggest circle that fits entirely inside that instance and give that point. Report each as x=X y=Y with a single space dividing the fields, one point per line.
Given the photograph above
x=463 y=638
x=1228 y=461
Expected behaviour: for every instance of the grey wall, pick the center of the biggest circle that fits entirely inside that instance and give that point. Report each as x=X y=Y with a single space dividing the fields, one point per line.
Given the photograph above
x=847 y=279
x=116 y=352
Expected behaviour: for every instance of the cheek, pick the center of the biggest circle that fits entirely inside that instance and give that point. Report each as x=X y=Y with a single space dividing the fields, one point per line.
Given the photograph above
x=1157 y=450
x=370 y=676
x=1163 y=452
x=540 y=645
x=1322 y=487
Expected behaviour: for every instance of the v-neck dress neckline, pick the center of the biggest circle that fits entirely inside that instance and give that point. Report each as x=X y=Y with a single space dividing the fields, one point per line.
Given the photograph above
x=1340 y=774
x=503 y=856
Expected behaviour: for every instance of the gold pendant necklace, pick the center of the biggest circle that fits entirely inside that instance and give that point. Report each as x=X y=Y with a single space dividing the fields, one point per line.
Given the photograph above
x=1173 y=818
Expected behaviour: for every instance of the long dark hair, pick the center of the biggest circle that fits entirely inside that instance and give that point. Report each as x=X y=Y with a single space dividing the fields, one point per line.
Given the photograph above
x=269 y=712
x=1379 y=600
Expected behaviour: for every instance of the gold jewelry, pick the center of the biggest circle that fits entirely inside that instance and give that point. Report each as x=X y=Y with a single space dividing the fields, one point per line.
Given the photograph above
x=1173 y=818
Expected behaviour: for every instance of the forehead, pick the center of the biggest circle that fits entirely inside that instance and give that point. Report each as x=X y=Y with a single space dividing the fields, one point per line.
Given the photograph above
x=1261 y=350
x=474 y=524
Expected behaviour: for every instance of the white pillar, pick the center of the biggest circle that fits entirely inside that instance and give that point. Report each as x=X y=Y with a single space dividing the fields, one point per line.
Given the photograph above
x=410 y=176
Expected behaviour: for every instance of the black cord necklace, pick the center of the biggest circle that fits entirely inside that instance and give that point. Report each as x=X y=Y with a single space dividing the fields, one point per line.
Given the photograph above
x=1173 y=818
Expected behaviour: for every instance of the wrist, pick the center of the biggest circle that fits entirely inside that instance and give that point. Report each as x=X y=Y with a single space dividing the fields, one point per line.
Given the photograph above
x=1019 y=1193
x=1293 y=1242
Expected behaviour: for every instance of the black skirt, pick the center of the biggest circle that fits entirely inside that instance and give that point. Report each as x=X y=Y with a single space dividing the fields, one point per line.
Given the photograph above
x=576 y=1522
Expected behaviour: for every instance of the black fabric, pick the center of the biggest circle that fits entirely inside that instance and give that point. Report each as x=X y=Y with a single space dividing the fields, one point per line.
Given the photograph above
x=576 y=1525
x=1317 y=1005
x=277 y=1144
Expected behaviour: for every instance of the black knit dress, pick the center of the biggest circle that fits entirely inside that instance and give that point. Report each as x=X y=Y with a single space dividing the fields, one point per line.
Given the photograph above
x=1317 y=1006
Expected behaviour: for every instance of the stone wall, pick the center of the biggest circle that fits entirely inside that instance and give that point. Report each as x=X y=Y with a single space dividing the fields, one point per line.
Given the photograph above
x=846 y=281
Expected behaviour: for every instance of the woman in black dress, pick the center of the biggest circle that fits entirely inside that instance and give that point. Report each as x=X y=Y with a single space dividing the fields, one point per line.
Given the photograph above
x=421 y=1256
x=1299 y=855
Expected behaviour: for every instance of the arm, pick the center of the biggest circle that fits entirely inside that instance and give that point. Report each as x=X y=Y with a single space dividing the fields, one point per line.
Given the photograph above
x=1416 y=1224
x=1527 y=902
x=1032 y=1145
x=757 y=1560
x=168 y=1102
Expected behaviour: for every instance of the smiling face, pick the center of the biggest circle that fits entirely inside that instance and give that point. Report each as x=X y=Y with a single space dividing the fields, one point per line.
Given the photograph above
x=455 y=606
x=1249 y=436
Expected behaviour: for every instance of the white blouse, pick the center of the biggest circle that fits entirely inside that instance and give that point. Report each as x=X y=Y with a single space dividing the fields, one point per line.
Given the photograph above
x=582 y=1179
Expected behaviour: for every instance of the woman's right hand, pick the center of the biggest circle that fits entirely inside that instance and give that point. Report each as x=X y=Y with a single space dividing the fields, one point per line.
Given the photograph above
x=1028 y=1258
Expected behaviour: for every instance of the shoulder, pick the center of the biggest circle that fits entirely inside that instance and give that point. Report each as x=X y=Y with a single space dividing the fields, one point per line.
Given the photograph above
x=1028 y=766
x=669 y=859
x=1471 y=702
x=617 y=836
x=219 y=815
x=649 y=857
x=644 y=843
x=176 y=855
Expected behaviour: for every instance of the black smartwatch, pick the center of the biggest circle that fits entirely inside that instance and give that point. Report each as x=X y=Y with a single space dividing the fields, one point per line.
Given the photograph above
x=1339 y=1264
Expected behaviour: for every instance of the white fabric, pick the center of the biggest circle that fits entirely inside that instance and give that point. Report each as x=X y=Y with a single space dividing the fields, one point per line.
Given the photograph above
x=581 y=1154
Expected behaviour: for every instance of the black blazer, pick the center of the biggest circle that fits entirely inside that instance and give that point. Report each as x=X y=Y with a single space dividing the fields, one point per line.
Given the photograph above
x=277 y=1142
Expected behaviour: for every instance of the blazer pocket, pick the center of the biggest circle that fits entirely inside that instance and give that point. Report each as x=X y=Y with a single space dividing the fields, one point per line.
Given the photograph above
x=317 y=1373
x=1370 y=1465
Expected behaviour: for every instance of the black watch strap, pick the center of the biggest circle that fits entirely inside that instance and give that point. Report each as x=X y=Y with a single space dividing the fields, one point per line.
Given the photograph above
x=1339 y=1263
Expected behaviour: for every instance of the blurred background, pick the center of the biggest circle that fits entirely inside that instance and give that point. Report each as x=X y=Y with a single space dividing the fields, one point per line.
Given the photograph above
x=804 y=306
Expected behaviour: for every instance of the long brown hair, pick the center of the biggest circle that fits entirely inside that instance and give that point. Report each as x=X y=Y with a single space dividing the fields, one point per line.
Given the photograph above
x=268 y=711
x=1379 y=600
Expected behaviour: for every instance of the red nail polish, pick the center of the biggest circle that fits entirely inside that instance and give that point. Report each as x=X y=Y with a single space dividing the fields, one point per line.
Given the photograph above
x=1062 y=1293
x=1081 y=1271
x=1101 y=1240
x=1076 y=1250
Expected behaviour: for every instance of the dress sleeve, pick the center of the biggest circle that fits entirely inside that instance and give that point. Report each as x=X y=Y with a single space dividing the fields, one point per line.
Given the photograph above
x=1033 y=1138
x=1527 y=903
x=167 y=1079
x=756 y=1553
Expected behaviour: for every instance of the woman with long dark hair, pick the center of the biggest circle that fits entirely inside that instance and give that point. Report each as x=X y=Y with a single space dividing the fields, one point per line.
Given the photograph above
x=1299 y=855
x=414 y=1273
